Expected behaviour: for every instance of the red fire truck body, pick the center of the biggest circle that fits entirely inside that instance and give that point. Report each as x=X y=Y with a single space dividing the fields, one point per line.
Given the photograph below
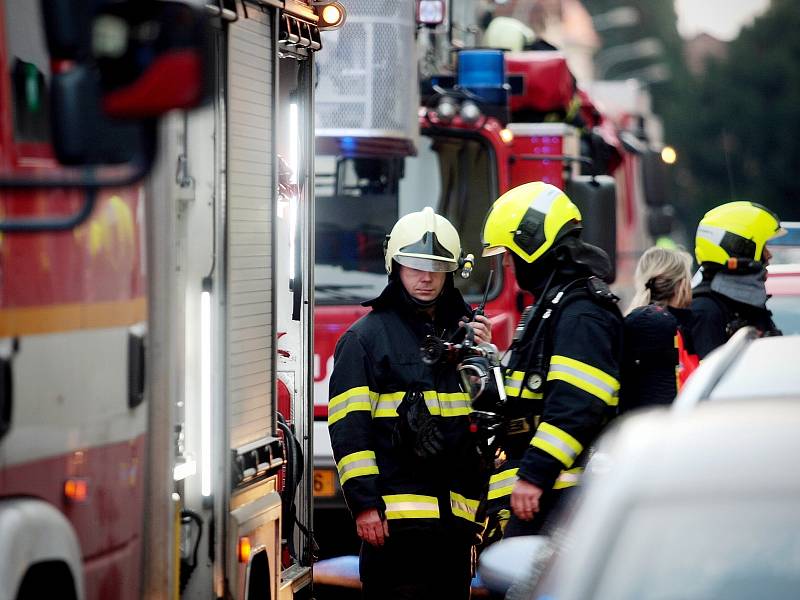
x=155 y=372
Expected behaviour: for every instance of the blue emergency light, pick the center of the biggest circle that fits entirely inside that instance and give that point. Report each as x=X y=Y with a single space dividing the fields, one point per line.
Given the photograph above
x=349 y=144
x=483 y=72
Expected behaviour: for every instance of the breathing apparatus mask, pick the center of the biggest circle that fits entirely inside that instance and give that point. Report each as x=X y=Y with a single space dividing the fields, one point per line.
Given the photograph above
x=478 y=367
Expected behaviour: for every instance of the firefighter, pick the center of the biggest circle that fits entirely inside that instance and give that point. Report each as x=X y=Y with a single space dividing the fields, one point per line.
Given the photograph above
x=729 y=291
x=562 y=370
x=409 y=468
x=658 y=350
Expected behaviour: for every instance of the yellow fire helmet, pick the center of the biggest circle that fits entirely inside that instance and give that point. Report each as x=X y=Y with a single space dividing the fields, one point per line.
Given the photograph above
x=735 y=230
x=425 y=241
x=528 y=220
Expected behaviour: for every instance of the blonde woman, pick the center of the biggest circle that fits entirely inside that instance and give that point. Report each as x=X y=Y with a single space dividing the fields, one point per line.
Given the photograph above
x=658 y=355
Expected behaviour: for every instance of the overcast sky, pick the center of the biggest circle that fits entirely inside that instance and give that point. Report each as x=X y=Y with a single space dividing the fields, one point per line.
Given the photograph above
x=720 y=18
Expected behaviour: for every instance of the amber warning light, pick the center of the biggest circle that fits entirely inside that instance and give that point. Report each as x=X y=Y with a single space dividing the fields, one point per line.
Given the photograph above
x=331 y=16
x=244 y=549
x=76 y=490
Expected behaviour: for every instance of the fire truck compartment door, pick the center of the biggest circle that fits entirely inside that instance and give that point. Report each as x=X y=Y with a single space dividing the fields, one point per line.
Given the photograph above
x=596 y=198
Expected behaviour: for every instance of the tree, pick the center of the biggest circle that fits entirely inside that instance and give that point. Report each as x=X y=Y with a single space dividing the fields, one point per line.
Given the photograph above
x=738 y=126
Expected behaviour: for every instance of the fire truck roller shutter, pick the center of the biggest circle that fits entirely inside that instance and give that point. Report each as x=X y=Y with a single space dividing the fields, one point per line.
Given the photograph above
x=596 y=198
x=250 y=216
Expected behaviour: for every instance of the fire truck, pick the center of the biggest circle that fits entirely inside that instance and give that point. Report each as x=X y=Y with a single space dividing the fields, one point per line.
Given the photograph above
x=495 y=121
x=155 y=294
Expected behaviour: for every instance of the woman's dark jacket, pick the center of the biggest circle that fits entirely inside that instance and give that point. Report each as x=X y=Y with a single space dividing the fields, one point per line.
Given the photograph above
x=650 y=359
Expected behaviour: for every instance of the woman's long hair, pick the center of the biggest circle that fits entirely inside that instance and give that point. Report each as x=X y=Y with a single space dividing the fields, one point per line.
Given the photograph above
x=662 y=275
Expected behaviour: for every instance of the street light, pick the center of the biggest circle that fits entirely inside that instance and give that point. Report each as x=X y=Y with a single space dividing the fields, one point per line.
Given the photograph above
x=669 y=155
x=644 y=48
x=623 y=16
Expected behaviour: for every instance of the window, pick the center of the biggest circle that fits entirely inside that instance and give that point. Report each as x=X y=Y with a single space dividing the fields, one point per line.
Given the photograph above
x=27 y=71
x=356 y=207
x=456 y=176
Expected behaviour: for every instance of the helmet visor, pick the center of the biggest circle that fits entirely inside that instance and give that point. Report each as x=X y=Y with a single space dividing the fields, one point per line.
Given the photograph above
x=780 y=232
x=493 y=251
x=422 y=263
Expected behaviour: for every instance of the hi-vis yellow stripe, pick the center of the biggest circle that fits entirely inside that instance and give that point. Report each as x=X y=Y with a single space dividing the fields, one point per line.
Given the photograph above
x=411 y=506
x=557 y=443
x=464 y=507
x=357 y=398
x=386 y=404
x=514 y=386
x=584 y=376
x=568 y=478
x=502 y=483
x=445 y=404
x=357 y=464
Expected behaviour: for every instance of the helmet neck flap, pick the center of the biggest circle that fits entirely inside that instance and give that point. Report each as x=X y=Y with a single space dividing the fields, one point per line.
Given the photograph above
x=570 y=258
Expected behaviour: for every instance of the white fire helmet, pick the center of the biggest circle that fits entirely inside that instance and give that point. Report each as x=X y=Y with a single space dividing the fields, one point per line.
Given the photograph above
x=424 y=241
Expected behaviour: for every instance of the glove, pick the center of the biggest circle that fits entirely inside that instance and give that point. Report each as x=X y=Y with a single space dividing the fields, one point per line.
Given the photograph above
x=430 y=440
x=418 y=431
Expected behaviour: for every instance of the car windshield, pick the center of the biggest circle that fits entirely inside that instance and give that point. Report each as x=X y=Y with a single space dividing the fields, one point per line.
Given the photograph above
x=457 y=175
x=786 y=313
x=356 y=207
x=732 y=548
x=358 y=200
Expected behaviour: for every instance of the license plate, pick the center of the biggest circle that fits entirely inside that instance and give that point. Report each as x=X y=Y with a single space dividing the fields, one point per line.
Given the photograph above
x=324 y=483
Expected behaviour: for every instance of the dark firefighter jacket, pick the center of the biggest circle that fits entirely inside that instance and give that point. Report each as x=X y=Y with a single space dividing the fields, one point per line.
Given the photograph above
x=651 y=360
x=551 y=429
x=717 y=318
x=376 y=362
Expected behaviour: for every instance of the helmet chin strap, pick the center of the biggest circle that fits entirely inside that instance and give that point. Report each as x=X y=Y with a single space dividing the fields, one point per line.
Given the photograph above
x=422 y=303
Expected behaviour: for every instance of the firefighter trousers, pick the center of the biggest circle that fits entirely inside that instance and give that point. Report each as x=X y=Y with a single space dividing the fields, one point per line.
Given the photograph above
x=423 y=565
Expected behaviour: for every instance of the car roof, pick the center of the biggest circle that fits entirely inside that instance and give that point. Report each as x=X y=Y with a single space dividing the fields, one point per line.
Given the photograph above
x=767 y=367
x=746 y=366
x=717 y=447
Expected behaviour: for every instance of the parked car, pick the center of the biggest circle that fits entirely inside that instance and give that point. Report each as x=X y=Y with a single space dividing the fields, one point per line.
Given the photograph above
x=699 y=505
x=747 y=366
x=783 y=283
x=786 y=249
